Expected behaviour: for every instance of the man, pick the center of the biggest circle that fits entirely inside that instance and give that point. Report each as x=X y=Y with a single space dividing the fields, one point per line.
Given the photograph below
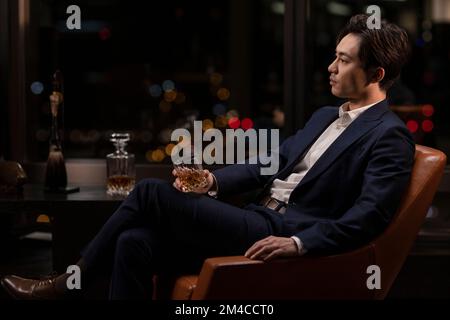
x=340 y=182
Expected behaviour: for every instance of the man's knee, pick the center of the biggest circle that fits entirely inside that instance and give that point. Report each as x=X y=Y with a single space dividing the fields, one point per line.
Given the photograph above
x=149 y=185
x=144 y=183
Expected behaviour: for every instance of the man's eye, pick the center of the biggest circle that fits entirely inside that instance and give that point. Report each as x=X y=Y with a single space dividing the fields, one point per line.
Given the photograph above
x=343 y=61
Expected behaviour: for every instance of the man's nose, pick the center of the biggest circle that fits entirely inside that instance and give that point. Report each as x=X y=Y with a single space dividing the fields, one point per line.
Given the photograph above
x=332 y=67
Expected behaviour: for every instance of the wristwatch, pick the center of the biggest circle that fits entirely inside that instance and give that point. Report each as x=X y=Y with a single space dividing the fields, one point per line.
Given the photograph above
x=212 y=194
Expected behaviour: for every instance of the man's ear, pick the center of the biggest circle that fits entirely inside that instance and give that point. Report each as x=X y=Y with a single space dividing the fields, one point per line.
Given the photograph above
x=378 y=75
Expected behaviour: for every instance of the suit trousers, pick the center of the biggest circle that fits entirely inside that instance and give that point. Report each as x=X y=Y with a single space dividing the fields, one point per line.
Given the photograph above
x=159 y=229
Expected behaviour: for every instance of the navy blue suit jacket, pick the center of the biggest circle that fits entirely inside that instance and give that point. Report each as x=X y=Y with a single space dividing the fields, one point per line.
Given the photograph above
x=353 y=190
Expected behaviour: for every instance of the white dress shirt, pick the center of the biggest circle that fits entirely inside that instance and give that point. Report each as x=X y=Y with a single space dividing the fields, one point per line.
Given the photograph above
x=282 y=189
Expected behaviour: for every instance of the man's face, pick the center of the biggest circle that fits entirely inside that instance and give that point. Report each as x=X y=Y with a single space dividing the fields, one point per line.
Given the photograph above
x=347 y=77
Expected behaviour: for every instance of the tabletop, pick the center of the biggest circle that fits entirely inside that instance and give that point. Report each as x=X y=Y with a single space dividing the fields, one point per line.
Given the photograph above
x=35 y=193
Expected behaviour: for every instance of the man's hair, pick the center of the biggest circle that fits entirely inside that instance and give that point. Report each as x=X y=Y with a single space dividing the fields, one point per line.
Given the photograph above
x=387 y=47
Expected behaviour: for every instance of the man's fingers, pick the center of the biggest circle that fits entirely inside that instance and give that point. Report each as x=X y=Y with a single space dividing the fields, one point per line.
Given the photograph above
x=273 y=255
x=272 y=247
x=258 y=253
x=264 y=251
x=177 y=185
x=257 y=246
x=254 y=248
x=250 y=251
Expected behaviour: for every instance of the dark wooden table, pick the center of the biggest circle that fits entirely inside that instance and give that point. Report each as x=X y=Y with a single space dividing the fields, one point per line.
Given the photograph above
x=75 y=218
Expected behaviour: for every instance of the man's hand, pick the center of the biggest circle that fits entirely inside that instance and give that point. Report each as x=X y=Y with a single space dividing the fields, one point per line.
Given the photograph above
x=209 y=182
x=272 y=247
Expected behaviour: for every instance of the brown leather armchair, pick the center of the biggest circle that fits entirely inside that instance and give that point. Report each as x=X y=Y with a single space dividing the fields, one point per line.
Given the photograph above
x=341 y=276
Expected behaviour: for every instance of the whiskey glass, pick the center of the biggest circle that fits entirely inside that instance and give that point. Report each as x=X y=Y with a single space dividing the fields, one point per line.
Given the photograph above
x=190 y=172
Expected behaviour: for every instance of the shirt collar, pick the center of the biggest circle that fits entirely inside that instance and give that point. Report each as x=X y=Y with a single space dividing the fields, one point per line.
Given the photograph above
x=347 y=116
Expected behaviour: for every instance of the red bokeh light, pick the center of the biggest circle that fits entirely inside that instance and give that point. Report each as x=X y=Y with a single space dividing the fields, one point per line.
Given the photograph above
x=104 y=33
x=234 y=123
x=427 y=110
x=412 y=125
x=427 y=125
x=246 y=123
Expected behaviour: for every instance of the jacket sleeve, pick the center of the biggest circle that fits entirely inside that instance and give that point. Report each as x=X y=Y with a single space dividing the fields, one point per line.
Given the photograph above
x=238 y=178
x=385 y=180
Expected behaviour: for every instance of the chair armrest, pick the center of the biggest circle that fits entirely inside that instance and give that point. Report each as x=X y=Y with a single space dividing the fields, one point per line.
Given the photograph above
x=237 y=277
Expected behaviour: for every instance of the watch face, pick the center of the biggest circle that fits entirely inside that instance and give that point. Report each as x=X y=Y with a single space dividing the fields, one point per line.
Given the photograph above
x=212 y=193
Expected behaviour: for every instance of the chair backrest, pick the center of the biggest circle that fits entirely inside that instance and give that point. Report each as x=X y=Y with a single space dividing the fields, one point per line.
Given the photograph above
x=393 y=246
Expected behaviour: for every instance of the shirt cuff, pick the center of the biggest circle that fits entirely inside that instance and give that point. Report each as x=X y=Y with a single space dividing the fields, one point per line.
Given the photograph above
x=301 y=249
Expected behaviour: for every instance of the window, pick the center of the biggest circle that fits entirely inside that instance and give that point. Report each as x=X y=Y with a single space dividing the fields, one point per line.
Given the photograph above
x=421 y=96
x=148 y=67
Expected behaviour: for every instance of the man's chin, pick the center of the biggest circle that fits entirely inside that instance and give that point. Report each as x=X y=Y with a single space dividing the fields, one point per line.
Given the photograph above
x=337 y=93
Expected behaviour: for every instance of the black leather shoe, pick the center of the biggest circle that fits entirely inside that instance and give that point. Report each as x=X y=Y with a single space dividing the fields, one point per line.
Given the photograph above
x=29 y=289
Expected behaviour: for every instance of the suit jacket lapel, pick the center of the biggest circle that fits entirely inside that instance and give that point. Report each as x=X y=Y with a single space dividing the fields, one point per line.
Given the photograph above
x=358 y=128
x=304 y=141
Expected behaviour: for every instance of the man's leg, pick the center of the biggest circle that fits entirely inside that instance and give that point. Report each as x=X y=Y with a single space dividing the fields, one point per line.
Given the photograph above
x=186 y=230
x=139 y=256
x=134 y=265
x=188 y=221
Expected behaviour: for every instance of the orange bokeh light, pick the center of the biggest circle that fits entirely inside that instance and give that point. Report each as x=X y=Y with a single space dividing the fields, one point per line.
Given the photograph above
x=170 y=96
x=216 y=79
x=427 y=110
x=223 y=94
x=221 y=121
x=169 y=148
x=158 y=155
x=207 y=124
